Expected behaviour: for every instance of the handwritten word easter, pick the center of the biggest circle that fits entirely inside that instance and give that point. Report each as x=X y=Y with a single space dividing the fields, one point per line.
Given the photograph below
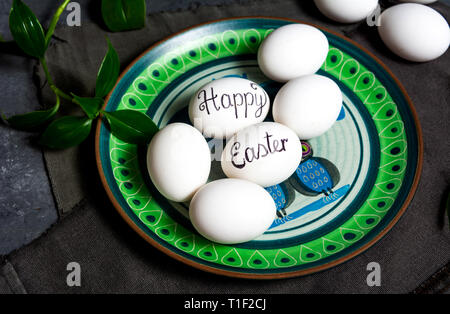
x=260 y=151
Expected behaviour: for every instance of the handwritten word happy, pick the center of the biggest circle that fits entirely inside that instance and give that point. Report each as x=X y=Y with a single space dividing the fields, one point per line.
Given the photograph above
x=211 y=101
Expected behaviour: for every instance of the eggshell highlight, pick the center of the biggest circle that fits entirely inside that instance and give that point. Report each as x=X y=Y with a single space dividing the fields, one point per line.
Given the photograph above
x=178 y=161
x=232 y=211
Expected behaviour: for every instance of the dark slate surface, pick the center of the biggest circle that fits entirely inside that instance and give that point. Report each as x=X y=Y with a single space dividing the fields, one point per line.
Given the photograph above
x=26 y=204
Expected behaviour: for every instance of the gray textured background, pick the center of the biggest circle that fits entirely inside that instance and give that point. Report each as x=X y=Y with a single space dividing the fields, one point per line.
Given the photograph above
x=110 y=251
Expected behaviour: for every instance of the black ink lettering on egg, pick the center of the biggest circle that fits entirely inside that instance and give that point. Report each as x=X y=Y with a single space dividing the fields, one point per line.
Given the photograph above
x=209 y=102
x=270 y=146
x=266 y=153
x=224 y=106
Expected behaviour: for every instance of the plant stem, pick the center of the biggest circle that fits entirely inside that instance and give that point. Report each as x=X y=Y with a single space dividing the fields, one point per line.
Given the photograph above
x=54 y=21
x=55 y=89
x=58 y=102
x=47 y=73
x=48 y=35
x=59 y=92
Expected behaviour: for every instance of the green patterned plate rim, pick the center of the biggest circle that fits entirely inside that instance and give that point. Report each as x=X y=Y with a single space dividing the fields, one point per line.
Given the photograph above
x=370 y=160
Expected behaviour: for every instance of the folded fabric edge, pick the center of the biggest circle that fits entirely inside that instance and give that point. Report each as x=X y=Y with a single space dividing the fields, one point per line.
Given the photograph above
x=9 y=275
x=438 y=283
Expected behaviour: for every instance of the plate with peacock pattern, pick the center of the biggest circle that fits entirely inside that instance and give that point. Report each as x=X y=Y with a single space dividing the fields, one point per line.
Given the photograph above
x=353 y=184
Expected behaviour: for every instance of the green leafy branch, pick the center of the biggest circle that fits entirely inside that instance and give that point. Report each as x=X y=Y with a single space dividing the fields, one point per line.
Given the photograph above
x=123 y=15
x=63 y=132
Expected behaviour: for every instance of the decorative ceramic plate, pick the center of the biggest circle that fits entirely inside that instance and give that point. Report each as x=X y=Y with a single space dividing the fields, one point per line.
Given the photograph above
x=368 y=164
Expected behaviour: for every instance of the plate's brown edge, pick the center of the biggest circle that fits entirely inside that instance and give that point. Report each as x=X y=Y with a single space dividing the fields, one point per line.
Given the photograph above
x=271 y=275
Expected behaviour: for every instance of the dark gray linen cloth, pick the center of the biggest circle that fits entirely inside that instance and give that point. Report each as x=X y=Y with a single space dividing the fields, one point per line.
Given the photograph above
x=114 y=259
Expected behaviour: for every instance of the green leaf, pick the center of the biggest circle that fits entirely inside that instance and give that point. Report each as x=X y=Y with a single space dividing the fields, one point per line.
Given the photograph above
x=32 y=120
x=108 y=72
x=1 y=39
x=26 y=30
x=66 y=132
x=122 y=15
x=131 y=126
x=90 y=105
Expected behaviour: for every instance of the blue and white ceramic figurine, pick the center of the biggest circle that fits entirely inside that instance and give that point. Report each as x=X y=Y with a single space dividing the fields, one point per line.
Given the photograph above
x=314 y=175
x=283 y=195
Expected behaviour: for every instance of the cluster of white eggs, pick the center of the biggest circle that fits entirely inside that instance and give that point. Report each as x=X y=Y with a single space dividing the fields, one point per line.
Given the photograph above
x=411 y=30
x=259 y=153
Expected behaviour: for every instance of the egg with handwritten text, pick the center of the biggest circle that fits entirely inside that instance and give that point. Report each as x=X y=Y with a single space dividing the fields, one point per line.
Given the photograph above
x=178 y=161
x=266 y=153
x=224 y=106
x=232 y=211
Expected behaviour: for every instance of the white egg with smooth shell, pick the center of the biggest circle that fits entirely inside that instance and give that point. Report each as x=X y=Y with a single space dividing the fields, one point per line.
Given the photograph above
x=415 y=32
x=291 y=51
x=224 y=106
x=178 y=161
x=346 y=11
x=419 y=1
x=309 y=105
x=266 y=153
x=232 y=211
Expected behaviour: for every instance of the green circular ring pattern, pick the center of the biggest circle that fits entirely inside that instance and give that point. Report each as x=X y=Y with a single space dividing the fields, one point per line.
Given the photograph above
x=128 y=185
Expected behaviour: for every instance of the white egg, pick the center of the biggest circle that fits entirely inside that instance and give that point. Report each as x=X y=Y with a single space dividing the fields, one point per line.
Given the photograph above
x=346 y=11
x=309 y=105
x=291 y=51
x=419 y=1
x=224 y=106
x=232 y=211
x=266 y=153
x=415 y=32
x=178 y=161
